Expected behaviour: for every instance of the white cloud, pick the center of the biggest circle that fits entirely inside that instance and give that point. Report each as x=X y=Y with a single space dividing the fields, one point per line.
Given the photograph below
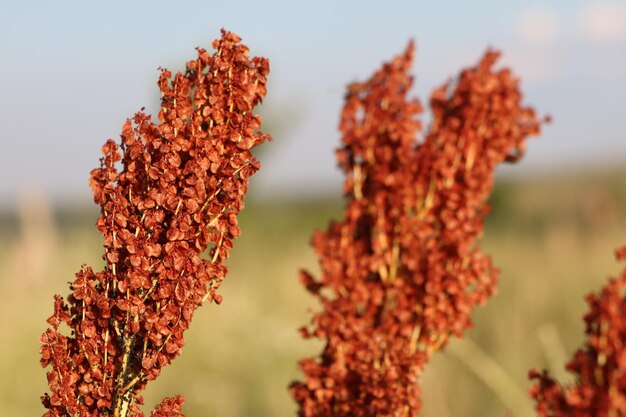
x=538 y=26
x=534 y=55
x=603 y=22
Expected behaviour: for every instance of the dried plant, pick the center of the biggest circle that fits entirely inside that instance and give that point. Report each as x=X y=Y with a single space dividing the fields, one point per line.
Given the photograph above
x=599 y=366
x=176 y=197
x=401 y=272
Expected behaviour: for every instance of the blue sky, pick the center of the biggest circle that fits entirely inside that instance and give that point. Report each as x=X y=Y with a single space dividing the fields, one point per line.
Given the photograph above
x=72 y=72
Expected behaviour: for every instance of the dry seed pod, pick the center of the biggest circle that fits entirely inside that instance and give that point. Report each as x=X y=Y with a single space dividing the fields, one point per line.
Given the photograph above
x=168 y=219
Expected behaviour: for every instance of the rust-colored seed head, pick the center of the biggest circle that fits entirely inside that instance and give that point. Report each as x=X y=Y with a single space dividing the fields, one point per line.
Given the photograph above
x=401 y=272
x=168 y=219
x=599 y=366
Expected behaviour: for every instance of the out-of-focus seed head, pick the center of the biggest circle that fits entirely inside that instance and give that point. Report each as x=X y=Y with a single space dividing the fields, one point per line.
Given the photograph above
x=599 y=365
x=401 y=272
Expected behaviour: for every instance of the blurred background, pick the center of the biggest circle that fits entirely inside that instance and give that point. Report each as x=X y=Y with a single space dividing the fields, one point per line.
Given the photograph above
x=72 y=72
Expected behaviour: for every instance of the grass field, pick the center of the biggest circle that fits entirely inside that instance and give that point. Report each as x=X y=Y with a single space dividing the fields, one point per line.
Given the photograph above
x=552 y=238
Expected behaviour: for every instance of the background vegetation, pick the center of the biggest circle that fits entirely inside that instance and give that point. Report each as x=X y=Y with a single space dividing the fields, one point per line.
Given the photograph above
x=553 y=237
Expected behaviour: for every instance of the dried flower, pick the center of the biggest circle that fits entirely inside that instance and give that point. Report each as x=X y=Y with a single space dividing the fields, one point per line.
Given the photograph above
x=177 y=197
x=401 y=271
x=599 y=366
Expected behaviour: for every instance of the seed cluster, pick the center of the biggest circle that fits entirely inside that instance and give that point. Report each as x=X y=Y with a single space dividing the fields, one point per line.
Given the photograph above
x=599 y=366
x=401 y=272
x=168 y=219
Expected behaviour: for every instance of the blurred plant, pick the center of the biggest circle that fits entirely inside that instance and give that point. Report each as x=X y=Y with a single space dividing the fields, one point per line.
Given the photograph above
x=402 y=271
x=178 y=194
x=599 y=366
